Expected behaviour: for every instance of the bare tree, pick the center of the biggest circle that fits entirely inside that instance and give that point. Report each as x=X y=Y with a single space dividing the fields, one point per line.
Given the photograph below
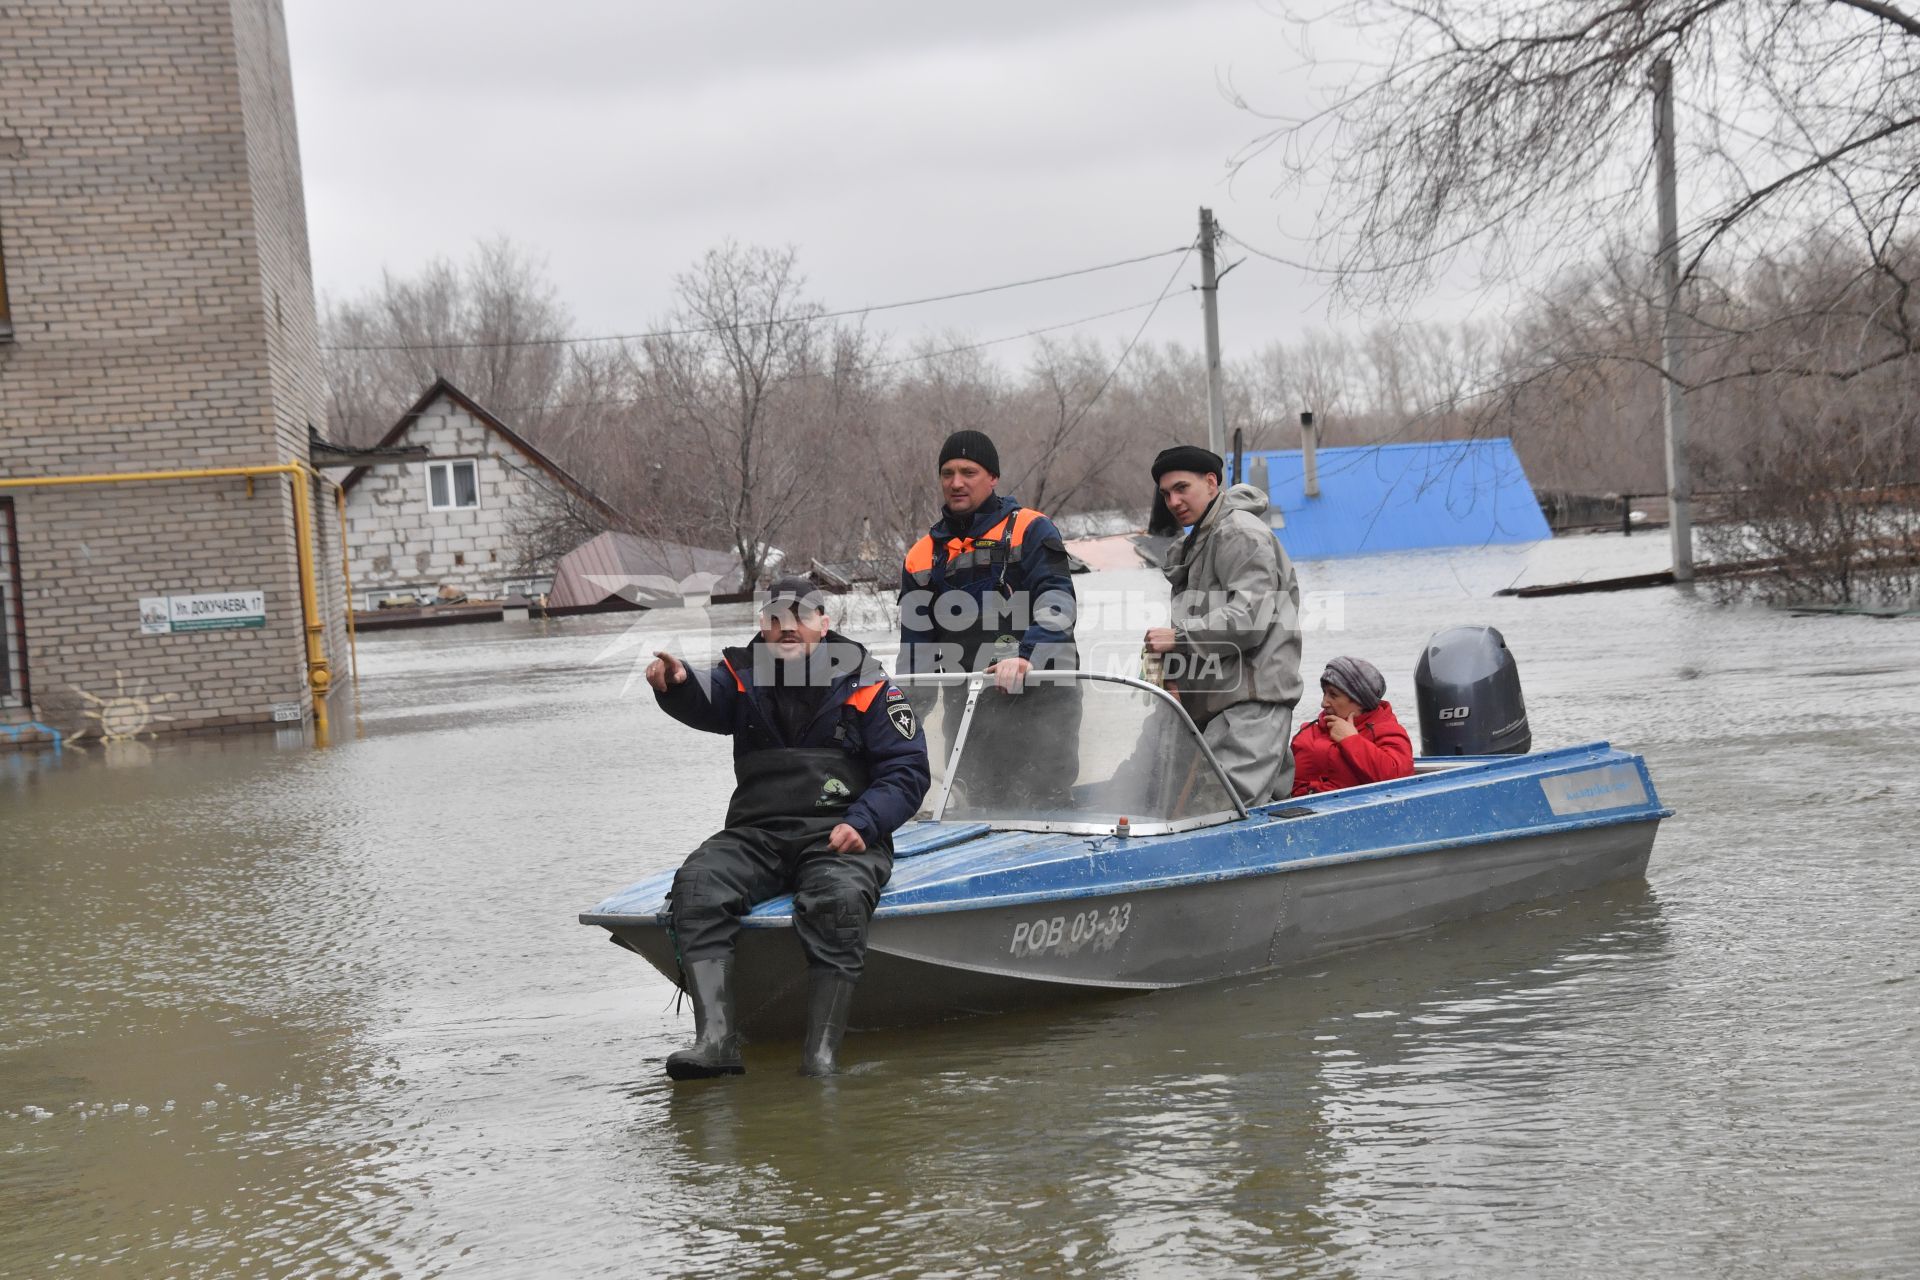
x=941 y=388
x=1506 y=125
x=1316 y=373
x=1515 y=130
x=1160 y=399
x=1513 y=136
x=1065 y=413
x=555 y=523
x=730 y=378
x=1814 y=506
x=491 y=325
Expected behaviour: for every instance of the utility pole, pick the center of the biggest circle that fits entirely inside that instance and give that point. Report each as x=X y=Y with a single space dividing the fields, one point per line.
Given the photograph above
x=1210 y=302
x=1679 y=483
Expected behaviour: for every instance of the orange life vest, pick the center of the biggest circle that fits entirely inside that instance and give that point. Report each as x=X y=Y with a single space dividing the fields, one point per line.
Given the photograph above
x=992 y=549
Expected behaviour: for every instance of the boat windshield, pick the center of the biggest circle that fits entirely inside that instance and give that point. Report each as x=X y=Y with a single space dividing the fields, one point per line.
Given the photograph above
x=1074 y=751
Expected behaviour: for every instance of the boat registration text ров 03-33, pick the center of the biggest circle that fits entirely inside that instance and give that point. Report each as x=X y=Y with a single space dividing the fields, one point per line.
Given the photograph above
x=1066 y=934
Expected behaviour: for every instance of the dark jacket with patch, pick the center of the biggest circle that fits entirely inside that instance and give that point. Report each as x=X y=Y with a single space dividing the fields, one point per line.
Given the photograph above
x=862 y=713
x=1012 y=564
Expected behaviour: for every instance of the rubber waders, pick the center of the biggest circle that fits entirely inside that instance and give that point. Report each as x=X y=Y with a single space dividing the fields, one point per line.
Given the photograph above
x=829 y=1000
x=716 y=1043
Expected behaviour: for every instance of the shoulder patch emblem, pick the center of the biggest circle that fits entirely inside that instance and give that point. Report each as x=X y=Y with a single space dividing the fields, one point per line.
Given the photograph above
x=901 y=714
x=894 y=694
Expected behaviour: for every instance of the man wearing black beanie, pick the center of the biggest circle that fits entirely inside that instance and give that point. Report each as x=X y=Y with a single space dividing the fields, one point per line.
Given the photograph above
x=971 y=446
x=988 y=589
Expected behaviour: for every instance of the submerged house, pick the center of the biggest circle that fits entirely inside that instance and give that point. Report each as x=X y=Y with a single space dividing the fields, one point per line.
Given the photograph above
x=1365 y=499
x=644 y=572
x=468 y=515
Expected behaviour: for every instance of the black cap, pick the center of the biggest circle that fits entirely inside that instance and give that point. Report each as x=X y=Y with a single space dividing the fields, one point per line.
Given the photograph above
x=971 y=446
x=793 y=592
x=1189 y=457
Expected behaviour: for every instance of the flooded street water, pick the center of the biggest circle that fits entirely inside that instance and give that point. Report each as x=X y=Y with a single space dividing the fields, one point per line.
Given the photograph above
x=266 y=1010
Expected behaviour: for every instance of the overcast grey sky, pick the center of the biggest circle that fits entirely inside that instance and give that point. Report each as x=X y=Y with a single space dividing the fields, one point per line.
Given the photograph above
x=904 y=149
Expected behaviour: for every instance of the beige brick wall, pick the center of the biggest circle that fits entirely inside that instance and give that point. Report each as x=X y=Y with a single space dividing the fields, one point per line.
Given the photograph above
x=285 y=273
x=153 y=221
x=398 y=542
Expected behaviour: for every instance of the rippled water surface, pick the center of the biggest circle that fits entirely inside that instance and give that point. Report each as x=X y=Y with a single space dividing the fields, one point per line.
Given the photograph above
x=267 y=1010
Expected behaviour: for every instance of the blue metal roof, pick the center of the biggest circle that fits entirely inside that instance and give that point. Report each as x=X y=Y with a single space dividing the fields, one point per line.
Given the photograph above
x=1399 y=497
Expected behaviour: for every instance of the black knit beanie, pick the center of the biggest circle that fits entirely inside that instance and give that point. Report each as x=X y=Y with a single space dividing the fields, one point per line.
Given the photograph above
x=971 y=446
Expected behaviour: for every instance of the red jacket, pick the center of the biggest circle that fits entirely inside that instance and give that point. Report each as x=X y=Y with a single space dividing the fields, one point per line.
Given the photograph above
x=1379 y=750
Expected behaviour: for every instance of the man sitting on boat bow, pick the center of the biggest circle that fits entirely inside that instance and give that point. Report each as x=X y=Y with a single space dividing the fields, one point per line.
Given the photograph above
x=828 y=761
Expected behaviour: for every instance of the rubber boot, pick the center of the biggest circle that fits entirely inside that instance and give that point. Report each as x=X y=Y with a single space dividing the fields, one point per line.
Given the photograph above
x=829 y=1000
x=716 y=1042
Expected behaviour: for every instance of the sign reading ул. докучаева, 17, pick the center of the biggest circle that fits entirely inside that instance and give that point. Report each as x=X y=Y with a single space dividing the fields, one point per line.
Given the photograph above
x=210 y=611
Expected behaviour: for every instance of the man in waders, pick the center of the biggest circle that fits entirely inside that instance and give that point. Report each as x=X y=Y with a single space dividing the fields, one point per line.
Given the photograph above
x=988 y=589
x=828 y=761
x=1233 y=651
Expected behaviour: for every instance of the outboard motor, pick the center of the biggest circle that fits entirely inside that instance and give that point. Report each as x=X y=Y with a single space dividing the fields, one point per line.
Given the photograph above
x=1468 y=691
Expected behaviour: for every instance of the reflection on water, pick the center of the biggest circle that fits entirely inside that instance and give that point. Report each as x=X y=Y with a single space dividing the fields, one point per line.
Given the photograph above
x=266 y=1011
x=1243 y=1128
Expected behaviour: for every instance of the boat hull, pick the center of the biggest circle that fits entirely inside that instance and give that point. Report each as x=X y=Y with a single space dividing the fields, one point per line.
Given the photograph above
x=998 y=957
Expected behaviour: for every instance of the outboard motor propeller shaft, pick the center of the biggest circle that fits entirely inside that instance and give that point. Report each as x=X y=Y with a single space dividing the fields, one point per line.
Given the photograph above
x=1467 y=688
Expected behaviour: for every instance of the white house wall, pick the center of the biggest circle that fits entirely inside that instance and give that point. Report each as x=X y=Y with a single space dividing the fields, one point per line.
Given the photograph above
x=397 y=544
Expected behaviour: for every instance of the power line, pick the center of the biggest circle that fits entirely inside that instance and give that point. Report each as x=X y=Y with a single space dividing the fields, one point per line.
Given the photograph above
x=1380 y=268
x=1015 y=337
x=749 y=324
x=1131 y=342
x=916 y=358
x=1271 y=257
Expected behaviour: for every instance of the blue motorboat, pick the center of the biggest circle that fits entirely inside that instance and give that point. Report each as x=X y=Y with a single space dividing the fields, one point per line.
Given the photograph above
x=1136 y=867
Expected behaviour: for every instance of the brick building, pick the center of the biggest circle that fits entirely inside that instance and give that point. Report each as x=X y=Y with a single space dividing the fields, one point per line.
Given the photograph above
x=482 y=511
x=158 y=316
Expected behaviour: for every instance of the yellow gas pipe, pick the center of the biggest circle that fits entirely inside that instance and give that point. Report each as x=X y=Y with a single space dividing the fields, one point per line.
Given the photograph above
x=346 y=577
x=319 y=671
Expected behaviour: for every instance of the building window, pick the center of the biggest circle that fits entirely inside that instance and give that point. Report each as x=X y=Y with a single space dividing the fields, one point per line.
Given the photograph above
x=6 y=315
x=452 y=486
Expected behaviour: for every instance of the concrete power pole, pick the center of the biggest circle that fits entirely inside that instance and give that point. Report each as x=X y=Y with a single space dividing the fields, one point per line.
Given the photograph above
x=1679 y=482
x=1209 y=298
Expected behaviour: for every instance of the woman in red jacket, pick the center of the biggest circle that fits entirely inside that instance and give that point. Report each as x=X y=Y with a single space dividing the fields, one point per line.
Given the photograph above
x=1355 y=738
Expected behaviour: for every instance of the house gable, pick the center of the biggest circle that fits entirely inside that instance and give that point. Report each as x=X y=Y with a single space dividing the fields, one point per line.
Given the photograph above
x=441 y=388
x=458 y=516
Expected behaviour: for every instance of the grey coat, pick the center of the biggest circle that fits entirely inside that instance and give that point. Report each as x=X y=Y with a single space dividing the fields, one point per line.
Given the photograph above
x=1236 y=610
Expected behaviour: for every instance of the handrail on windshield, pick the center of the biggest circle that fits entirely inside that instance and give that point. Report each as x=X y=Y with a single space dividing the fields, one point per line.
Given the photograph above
x=977 y=681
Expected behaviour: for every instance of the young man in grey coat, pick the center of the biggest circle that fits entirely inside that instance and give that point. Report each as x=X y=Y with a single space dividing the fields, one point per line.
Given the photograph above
x=1233 y=652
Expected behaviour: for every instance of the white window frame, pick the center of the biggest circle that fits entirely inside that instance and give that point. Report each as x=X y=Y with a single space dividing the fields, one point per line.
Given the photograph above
x=447 y=468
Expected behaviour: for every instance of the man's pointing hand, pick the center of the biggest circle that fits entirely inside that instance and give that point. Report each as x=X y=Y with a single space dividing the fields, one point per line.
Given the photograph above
x=665 y=669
